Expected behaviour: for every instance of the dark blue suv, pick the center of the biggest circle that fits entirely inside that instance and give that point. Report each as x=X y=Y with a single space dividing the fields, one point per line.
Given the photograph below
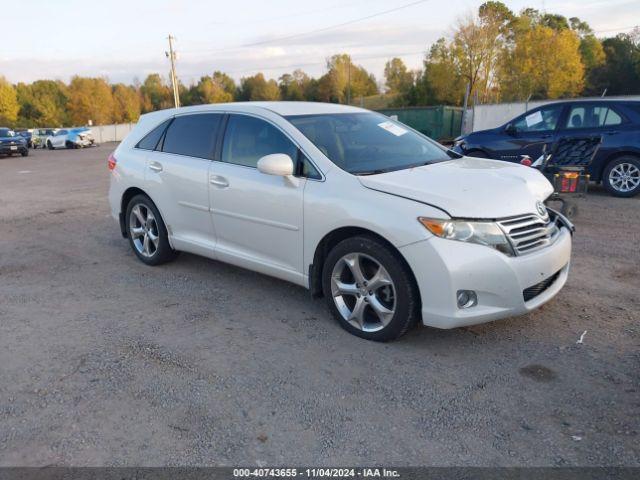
x=617 y=163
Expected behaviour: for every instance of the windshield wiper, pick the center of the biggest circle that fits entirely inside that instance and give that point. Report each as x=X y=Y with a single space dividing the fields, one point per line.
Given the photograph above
x=390 y=169
x=372 y=172
x=401 y=167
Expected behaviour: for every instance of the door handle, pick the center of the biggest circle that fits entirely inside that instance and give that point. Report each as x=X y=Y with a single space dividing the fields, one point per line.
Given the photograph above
x=218 y=181
x=155 y=166
x=612 y=132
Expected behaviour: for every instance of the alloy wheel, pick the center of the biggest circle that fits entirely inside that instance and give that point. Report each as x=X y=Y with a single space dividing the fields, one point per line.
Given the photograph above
x=624 y=177
x=143 y=229
x=363 y=292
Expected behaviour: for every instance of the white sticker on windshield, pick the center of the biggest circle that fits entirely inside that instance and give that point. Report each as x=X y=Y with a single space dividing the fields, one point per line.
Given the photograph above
x=391 y=127
x=533 y=119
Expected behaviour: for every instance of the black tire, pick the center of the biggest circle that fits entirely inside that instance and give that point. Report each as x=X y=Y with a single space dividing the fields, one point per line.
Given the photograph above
x=407 y=298
x=24 y=153
x=606 y=181
x=163 y=252
x=49 y=145
x=477 y=154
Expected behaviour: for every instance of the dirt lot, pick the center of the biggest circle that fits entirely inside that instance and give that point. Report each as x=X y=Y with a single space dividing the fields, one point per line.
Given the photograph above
x=104 y=361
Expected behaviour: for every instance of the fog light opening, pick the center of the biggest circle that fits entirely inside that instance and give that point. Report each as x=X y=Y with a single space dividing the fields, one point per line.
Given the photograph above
x=467 y=298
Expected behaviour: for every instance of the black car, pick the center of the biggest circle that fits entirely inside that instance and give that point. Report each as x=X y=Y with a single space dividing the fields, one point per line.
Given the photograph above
x=11 y=143
x=617 y=163
x=26 y=134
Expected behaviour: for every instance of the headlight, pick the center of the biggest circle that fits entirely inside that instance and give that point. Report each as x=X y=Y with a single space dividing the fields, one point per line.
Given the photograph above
x=459 y=142
x=482 y=233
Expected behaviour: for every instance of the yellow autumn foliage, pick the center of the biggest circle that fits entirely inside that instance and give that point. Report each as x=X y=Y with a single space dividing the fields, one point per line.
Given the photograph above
x=545 y=63
x=9 y=106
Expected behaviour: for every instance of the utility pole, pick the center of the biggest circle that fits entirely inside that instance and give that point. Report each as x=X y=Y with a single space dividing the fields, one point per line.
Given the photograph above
x=465 y=105
x=174 y=78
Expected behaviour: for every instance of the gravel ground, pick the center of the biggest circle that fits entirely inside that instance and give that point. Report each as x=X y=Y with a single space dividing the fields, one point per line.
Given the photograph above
x=105 y=361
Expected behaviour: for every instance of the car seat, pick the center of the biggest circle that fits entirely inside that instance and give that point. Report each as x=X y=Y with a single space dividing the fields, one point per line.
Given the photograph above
x=576 y=121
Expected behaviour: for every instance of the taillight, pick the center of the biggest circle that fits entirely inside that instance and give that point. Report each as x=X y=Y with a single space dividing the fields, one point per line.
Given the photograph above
x=525 y=160
x=111 y=162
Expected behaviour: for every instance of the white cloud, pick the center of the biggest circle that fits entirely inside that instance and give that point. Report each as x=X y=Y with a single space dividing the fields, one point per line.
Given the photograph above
x=369 y=46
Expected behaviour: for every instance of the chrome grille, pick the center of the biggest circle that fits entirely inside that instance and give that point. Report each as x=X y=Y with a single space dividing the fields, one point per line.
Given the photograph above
x=529 y=233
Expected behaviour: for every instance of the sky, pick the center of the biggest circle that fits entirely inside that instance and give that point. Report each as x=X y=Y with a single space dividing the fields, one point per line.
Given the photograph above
x=127 y=40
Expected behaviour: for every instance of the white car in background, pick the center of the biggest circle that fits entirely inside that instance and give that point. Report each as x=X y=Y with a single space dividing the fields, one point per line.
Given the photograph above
x=386 y=224
x=70 y=138
x=40 y=136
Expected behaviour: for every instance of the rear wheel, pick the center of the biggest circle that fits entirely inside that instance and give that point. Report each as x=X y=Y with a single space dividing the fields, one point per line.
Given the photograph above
x=621 y=178
x=147 y=233
x=369 y=290
x=24 y=153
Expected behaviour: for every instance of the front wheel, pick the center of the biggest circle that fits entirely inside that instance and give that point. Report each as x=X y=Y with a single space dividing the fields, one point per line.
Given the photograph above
x=147 y=233
x=621 y=178
x=369 y=289
x=49 y=145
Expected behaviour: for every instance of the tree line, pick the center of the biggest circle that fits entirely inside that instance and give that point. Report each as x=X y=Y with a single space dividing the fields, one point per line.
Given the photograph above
x=494 y=55
x=501 y=56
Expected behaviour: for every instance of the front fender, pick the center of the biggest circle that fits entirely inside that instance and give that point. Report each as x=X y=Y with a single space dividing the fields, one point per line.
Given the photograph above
x=342 y=201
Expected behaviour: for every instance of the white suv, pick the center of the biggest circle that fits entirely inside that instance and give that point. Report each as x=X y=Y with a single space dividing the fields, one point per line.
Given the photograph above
x=388 y=225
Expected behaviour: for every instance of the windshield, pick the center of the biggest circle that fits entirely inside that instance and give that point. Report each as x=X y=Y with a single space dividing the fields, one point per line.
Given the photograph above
x=368 y=143
x=5 y=132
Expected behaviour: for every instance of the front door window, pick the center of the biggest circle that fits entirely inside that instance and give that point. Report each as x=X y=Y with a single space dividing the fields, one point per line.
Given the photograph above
x=248 y=139
x=541 y=120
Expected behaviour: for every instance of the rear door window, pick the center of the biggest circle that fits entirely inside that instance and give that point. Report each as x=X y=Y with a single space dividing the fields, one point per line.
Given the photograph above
x=592 y=116
x=192 y=135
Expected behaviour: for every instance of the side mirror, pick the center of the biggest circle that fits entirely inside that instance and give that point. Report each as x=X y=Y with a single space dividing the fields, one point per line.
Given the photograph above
x=279 y=164
x=511 y=129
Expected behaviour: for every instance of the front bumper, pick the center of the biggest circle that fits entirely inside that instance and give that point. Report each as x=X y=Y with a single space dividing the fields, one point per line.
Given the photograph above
x=442 y=267
x=9 y=149
x=84 y=142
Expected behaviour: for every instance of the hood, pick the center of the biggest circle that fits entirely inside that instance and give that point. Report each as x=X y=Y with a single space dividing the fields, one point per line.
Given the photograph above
x=468 y=187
